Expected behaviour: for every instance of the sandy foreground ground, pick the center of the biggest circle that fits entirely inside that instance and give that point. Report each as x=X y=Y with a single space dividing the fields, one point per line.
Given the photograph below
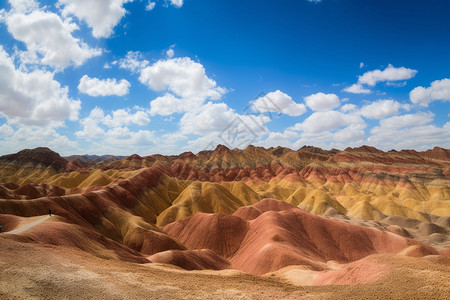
x=39 y=271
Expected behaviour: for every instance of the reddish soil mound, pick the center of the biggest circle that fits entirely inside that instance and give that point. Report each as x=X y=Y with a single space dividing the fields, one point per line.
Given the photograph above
x=191 y=259
x=8 y=222
x=249 y=213
x=283 y=235
x=150 y=242
x=437 y=153
x=220 y=233
x=362 y=271
x=419 y=251
x=446 y=252
x=36 y=156
x=278 y=239
x=33 y=191
x=89 y=240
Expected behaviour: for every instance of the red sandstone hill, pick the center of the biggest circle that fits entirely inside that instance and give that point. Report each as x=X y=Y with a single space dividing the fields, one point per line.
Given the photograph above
x=279 y=235
x=204 y=210
x=39 y=156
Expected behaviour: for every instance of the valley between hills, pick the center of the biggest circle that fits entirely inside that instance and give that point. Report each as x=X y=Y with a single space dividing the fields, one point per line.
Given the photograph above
x=226 y=224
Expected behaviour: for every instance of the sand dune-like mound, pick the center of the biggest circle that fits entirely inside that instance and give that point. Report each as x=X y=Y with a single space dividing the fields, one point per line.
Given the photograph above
x=362 y=271
x=55 y=232
x=272 y=234
x=301 y=238
x=201 y=197
x=220 y=233
x=191 y=259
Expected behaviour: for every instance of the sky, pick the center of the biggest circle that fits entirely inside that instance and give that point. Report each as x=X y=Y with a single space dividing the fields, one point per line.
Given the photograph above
x=168 y=76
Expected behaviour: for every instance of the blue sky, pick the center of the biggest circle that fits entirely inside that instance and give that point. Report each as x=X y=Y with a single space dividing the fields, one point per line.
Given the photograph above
x=168 y=76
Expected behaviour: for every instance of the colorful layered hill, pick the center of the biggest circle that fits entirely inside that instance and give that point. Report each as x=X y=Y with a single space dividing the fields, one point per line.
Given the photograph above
x=256 y=210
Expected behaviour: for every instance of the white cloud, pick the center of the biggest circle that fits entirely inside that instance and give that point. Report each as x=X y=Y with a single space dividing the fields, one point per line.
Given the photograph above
x=283 y=139
x=315 y=1
x=380 y=109
x=350 y=133
x=396 y=84
x=438 y=90
x=348 y=107
x=103 y=87
x=101 y=15
x=92 y=124
x=177 y=3
x=119 y=136
x=49 y=39
x=182 y=77
x=391 y=73
x=32 y=137
x=321 y=101
x=407 y=120
x=170 y=53
x=122 y=117
x=218 y=117
x=212 y=117
x=361 y=65
x=150 y=5
x=327 y=120
x=416 y=136
x=6 y=131
x=278 y=102
x=23 y=6
x=357 y=89
x=133 y=61
x=91 y=130
x=168 y=104
x=33 y=98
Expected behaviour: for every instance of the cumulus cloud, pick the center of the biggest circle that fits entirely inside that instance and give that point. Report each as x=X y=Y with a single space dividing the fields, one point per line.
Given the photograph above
x=185 y=82
x=438 y=90
x=410 y=132
x=133 y=61
x=390 y=73
x=48 y=38
x=278 y=102
x=6 y=131
x=150 y=5
x=283 y=139
x=103 y=87
x=167 y=105
x=170 y=52
x=217 y=123
x=350 y=133
x=407 y=120
x=102 y=16
x=33 y=98
x=177 y=3
x=357 y=89
x=109 y=131
x=181 y=76
x=322 y=102
x=348 y=107
x=380 y=109
x=32 y=137
x=122 y=117
x=23 y=6
x=91 y=129
x=327 y=120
